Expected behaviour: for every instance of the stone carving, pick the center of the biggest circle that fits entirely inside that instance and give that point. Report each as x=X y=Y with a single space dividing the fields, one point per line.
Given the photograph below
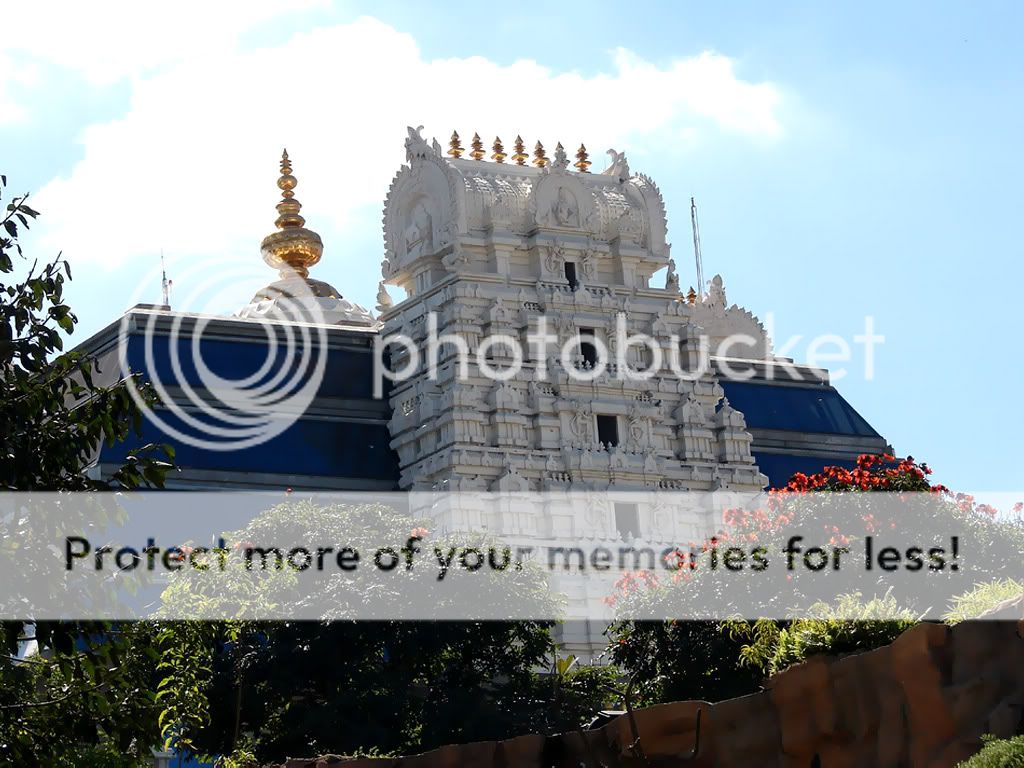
x=720 y=322
x=554 y=261
x=694 y=431
x=731 y=434
x=638 y=428
x=581 y=424
x=561 y=161
x=619 y=168
x=384 y=301
x=511 y=482
x=507 y=397
x=419 y=233
x=415 y=146
x=588 y=264
x=671 y=278
x=499 y=313
x=565 y=209
x=691 y=412
x=716 y=294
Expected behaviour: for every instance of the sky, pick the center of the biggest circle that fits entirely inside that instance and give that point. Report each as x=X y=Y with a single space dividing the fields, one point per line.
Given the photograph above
x=847 y=162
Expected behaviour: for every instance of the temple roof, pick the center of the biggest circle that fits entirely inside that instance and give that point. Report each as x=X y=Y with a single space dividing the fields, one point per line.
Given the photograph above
x=439 y=198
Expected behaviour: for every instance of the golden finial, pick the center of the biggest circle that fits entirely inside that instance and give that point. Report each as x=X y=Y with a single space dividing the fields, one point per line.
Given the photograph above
x=582 y=163
x=520 y=155
x=499 y=151
x=539 y=158
x=477 y=152
x=288 y=209
x=293 y=249
x=691 y=296
x=455 y=146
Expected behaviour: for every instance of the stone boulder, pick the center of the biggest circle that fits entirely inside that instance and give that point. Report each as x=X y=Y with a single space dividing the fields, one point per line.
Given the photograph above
x=922 y=702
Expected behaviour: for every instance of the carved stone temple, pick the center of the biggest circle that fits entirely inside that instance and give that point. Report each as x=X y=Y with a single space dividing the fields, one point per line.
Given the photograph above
x=485 y=247
x=489 y=248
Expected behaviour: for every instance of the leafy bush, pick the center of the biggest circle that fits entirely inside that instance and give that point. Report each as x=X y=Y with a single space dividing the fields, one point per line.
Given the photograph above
x=771 y=646
x=983 y=598
x=998 y=753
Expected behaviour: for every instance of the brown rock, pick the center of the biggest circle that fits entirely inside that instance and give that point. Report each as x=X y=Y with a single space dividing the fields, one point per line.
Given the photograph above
x=922 y=702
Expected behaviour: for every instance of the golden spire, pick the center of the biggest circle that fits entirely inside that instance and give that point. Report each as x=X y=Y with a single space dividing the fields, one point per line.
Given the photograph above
x=499 y=151
x=520 y=155
x=539 y=158
x=477 y=153
x=582 y=163
x=691 y=296
x=293 y=249
x=455 y=146
x=288 y=209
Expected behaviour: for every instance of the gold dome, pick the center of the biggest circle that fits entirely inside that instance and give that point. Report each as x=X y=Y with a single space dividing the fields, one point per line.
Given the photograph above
x=293 y=249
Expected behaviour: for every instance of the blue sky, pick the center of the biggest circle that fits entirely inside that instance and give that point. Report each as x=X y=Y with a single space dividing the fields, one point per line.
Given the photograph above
x=846 y=161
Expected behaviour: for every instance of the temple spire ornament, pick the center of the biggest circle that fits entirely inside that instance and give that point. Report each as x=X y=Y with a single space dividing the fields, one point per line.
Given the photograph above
x=499 y=151
x=477 y=153
x=293 y=249
x=455 y=146
x=582 y=160
x=384 y=301
x=561 y=162
x=540 y=159
x=520 y=157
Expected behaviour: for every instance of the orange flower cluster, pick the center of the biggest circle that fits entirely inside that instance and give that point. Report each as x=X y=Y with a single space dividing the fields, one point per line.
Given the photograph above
x=882 y=472
x=630 y=582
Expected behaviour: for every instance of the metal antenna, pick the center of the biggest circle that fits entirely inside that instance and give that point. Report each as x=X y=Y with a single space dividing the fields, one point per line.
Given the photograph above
x=165 y=284
x=696 y=246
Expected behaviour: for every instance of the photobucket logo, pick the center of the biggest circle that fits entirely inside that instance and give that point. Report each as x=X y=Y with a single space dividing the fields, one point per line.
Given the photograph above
x=588 y=354
x=209 y=395
x=583 y=355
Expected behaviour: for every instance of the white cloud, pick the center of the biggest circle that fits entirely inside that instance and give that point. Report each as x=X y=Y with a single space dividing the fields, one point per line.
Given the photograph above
x=12 y=75
x=191 y=165
x=107 y=40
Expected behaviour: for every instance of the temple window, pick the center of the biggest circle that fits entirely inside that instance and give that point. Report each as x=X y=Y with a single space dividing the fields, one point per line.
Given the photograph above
x=607 y=430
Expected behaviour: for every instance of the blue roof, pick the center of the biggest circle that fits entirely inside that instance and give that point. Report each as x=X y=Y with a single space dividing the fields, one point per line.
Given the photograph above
x=317 y=447
x=780 y=467
x=820 y=409
x=353 y=444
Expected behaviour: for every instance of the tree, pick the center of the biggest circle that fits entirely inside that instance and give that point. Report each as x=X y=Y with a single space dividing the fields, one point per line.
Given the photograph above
x=349 y=685
x=88 y=685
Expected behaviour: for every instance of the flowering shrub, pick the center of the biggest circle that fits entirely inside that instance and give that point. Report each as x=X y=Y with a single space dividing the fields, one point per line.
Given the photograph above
x=839 y=510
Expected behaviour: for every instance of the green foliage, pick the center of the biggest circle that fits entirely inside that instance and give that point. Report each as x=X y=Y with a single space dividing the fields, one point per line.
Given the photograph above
x=998 y=753
x=983 y=598
x=346 y=686
x=679 y=660
x=771 y=646
x=574 y=693
x=89 y=686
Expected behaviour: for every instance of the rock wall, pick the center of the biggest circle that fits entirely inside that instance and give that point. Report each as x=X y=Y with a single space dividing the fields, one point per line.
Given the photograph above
x=922 y=702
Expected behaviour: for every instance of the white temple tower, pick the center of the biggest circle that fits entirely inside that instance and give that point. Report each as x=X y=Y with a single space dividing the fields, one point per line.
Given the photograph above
x=485 y=248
